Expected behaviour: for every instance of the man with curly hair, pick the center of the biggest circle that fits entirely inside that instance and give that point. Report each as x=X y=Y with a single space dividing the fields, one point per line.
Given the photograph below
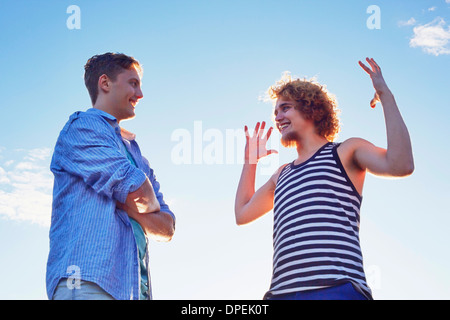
x=316 y=198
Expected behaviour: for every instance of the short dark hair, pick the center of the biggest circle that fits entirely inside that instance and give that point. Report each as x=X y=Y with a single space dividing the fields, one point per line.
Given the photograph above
x=110 y=64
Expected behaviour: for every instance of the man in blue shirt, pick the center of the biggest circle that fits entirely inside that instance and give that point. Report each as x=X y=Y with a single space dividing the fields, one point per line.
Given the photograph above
x=106 y=199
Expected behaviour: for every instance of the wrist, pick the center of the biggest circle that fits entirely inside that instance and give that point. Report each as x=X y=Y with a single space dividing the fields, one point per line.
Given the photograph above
x=383 y=91
x=250 y=162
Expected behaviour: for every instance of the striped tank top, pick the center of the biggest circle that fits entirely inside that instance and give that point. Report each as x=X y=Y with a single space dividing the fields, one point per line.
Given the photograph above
x=316 y=227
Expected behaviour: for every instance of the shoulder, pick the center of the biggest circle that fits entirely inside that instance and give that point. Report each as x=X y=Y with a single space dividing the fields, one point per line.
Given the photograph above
x=86 y=124
x=84 y=129
x=88 y=120
x=352 y=144
x=351 y=150
x=276 y=175
x=355 y=141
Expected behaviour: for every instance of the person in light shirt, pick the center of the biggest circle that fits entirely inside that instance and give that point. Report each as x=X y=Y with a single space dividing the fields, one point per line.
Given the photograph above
x=106 y=199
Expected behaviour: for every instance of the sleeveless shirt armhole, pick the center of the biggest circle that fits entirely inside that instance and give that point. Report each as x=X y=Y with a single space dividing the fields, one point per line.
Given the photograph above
x=282 y=170
x=344 y=172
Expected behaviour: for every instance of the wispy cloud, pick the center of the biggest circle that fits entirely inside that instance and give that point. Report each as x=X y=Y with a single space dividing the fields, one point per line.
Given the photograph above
x=410 y=22
x=26 y=185
x=433 y=37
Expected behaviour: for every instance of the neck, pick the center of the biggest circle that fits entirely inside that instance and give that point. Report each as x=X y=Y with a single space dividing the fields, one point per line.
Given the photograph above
x=310 y=145
x=101 y=106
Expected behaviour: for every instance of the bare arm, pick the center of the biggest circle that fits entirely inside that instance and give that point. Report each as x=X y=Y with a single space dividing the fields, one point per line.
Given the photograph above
x=250 y=205
x=143 y=206
x=157 y=225
x=397 y=160
x=143 y=200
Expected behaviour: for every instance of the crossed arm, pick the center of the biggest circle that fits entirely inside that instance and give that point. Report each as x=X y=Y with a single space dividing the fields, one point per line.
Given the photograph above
x=143 y=206
x=86 y=149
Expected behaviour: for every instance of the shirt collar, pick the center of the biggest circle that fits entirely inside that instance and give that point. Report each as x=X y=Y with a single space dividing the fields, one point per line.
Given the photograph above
x=127 y=134
x=102 y=113
x=113 y=122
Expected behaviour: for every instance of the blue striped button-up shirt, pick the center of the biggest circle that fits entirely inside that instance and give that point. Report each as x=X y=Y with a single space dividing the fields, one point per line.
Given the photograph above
x=88 y=234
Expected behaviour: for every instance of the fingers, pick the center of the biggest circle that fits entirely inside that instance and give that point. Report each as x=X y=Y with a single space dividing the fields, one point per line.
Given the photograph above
x=256 y=129
x=374 y=101
x=259 y=129
x=258 y=132
x=255 y=148
x=375 y=67
x=376 y=76
x=269 y=132
x=366 y=69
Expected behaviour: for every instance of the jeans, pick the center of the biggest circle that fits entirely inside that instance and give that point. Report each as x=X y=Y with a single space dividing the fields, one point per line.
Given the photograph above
x=344 y=291
x=84 y=291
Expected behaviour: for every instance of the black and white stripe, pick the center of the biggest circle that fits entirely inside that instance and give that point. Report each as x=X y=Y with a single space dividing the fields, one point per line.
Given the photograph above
x=316 y=227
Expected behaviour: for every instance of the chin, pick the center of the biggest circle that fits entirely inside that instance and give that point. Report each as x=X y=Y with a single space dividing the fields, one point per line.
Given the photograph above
x=289 y=140
x=128 y=117
x=289 y=143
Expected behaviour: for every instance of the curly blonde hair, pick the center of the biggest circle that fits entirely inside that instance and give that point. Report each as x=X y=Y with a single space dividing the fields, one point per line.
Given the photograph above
x=313 y=101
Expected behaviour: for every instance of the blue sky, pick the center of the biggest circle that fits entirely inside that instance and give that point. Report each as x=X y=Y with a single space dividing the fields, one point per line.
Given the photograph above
x=207 y=64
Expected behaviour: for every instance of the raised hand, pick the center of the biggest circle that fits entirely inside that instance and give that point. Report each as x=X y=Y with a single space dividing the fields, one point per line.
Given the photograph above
x=255 y=147
x=377 y=79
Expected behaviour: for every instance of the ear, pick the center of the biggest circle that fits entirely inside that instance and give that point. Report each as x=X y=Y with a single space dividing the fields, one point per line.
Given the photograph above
x=104 y=83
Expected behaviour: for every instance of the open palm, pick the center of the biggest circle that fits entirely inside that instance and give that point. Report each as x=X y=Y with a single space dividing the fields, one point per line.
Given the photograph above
x=255 y=147
x=377 y=79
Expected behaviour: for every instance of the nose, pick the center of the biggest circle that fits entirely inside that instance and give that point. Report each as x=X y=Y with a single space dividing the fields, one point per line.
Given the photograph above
x=278 y=117
x=139 y=94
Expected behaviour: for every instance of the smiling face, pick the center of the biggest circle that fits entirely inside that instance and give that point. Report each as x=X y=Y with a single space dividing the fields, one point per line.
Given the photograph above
x=290 y=122
x=123 y=94
x=314 y=104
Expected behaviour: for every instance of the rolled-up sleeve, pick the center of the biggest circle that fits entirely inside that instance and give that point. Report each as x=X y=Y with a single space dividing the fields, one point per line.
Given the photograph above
x=157 y=188
x=88 y=149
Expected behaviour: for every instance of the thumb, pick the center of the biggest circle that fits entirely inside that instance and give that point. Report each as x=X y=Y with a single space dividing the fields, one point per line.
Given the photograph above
x=375 y=100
